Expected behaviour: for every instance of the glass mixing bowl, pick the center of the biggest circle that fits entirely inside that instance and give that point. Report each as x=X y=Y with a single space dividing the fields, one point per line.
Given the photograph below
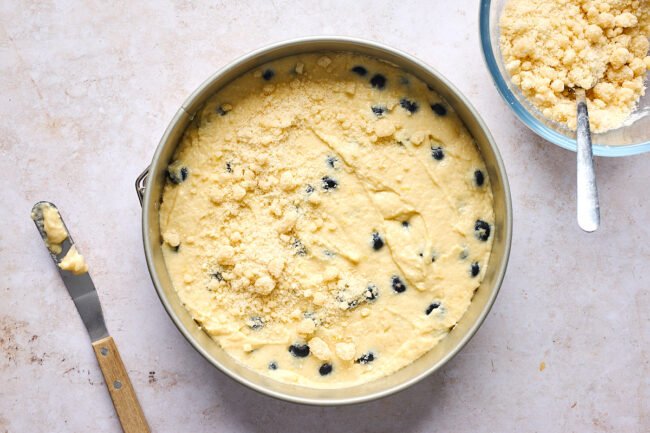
x=631 y=139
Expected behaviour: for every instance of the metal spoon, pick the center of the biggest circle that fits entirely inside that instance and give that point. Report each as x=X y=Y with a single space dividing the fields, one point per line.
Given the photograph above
x=588 y=206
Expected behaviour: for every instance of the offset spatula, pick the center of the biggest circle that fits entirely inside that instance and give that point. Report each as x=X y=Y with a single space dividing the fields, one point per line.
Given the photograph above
x=83 y=293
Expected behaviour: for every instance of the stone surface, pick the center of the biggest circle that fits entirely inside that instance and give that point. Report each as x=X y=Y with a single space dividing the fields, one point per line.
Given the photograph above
x=87 y=90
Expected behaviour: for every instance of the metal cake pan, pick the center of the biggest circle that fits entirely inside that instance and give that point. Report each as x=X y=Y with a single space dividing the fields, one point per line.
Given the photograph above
x=149 y=186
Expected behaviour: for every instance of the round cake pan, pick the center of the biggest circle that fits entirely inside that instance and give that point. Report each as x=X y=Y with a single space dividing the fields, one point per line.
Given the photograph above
x=149 y=186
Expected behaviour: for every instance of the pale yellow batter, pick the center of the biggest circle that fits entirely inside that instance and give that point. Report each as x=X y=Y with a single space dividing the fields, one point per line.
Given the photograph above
x=54 y=228
x=552 y=46
x=74 y=262
x=327 y=219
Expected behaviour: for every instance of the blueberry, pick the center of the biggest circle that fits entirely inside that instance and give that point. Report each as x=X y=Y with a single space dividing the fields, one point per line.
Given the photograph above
x=325 y=369
x=299 y=350
x=353 y=304
x=439 y=109
x=397 y=284
x=479 y=178
x=366 y=358
x=273 y=365
x=482 y=230
x=268 y=74
x=371 y=292
x=378 y=81
x=429 y=87
x=377 y=241
x=300 y=248
x=176 y=248
x=229 y=167
x=255 y=323
x=309 y=189
x=408 y=105
x=342 y=297
x=378 y=110
x=433 y=258
x=437 y=153
x=217 y=275
x=329 y=183
x=360 y=70
x=432 y=307
x=331 y=161
x=220 y=111
x=475 y=269
x=405 y=224
x=177 y=176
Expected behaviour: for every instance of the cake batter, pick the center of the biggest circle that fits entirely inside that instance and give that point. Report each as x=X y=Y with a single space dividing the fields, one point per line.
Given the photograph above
x=327 y=219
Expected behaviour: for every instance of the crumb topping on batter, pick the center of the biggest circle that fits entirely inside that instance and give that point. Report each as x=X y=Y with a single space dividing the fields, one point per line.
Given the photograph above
x=327 y=219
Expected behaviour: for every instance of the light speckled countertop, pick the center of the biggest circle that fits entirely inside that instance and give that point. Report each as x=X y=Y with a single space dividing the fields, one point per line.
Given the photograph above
x=87 y=90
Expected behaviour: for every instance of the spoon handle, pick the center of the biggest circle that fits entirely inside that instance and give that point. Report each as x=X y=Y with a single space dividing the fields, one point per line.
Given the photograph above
x=588 y=206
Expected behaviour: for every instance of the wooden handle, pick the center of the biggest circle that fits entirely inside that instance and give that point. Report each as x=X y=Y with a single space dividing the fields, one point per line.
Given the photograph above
x=119 y=386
